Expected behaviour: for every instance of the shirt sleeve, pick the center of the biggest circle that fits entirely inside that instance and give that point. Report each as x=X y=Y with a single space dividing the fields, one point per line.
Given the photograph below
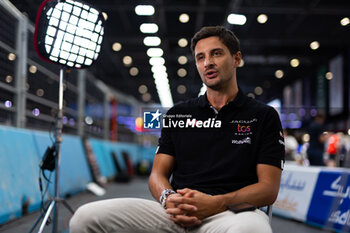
x=272 y=149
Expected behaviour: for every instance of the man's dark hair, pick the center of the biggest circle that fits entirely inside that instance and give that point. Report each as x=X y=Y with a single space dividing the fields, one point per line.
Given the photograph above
x=226 y=36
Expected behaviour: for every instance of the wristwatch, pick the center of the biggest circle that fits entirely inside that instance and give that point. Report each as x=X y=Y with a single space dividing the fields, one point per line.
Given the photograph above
x=164 y=196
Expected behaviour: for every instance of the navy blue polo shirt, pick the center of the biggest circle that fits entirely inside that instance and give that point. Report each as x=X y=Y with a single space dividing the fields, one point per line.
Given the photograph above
x=216 y=152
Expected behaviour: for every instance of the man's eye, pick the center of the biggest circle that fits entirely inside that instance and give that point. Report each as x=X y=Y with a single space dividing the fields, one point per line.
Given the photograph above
x=199 y=58
x=217 y=53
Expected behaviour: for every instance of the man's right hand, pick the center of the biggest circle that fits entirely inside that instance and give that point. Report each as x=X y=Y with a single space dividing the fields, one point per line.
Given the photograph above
x=184 y=216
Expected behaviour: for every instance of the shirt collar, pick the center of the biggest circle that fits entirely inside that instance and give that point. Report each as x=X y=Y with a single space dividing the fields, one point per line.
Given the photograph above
x=238 y=101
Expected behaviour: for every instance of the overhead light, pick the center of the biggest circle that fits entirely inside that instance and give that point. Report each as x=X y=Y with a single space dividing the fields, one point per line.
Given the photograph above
x=133 y=71
x=155 y=52
x=182 y=72
x=163 y=89
x=251 y=95
x=32 y=69
x=236 y=19
x=8 y=104
x=279 y=74
x=156 y=61
x=71 y=33
x=116 y=46
x=306 y=137
x=294 y=62
x=143 y=89
x=149 y=28
x=9 y=78
x=184 y=18
x=144 y=10
x=152 y=41
x=165 y=98
x=182 y=42
x=71 y=122
x=258 y=90
x=36 y=112
x=241 y=64
x=345 y=21
x=89 y=120
x=329 y=75
x=314 y=45
x=105 y=16
x=40 y=92
x=181 y=89
x=262 y=18
x=158 y=68
x=127 y=60
x=146 y=97
x=161 y=77
x=182 y=60
x=11 y=56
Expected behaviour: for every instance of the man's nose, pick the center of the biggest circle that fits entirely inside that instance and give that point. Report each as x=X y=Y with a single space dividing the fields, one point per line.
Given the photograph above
x=208 y=61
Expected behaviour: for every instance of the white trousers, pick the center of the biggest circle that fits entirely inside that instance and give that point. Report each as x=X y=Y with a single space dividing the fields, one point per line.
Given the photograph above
x=134 y=215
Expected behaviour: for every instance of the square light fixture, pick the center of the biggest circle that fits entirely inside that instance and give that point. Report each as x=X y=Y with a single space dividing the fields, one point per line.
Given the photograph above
x=69 y=33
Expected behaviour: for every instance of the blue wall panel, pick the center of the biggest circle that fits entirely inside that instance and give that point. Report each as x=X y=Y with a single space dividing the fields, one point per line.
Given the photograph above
x=132 y=150
x=103 y=150
x=22 y=150
x=19 y=172
x=148 y=153
x=103 y=156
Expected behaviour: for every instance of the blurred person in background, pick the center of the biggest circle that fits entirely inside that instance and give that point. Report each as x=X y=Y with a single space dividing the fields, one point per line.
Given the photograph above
x=336 y=150
x=317 y=140
x=332 y=150
x=291 y=147
x=346 y=151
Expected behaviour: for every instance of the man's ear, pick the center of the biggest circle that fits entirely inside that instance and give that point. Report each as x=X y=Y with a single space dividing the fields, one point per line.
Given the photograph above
x=237 y=59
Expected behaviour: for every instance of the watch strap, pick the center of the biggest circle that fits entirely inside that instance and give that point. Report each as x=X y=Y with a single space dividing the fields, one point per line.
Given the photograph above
x=164 y=196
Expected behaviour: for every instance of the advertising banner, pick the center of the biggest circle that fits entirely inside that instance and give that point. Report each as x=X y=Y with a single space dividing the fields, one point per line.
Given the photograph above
x=330 y=204
x=296 y=189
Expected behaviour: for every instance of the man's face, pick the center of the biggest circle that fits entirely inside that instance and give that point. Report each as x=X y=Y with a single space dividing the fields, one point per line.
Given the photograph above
x=214 y=62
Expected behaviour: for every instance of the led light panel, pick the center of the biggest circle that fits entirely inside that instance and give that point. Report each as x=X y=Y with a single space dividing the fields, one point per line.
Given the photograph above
x=69 y=33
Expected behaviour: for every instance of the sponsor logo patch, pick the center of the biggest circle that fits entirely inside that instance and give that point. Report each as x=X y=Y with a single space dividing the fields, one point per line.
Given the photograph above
x=246 y=140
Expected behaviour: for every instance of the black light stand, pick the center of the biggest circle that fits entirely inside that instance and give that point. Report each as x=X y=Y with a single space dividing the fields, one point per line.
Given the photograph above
x=68 y=33
x=52 y=204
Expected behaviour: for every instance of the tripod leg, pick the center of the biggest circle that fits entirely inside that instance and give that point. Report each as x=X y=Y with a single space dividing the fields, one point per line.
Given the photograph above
x=39 y=218
x=43 y=223
x=55 y=219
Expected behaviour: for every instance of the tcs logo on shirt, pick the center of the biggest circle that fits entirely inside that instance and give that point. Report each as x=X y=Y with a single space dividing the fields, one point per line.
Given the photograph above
x=243 y=128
